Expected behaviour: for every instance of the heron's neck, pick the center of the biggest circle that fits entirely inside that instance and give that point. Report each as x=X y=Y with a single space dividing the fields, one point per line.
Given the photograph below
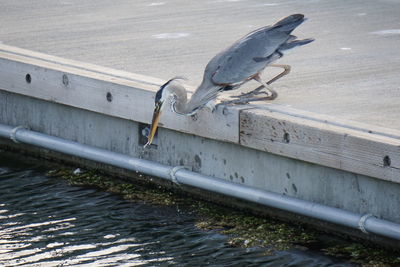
x=204 y=93
x=180 y=104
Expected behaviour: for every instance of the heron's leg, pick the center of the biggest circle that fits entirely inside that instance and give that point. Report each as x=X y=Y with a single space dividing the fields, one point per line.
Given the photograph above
x=271 y=93
x=246 y=100
x=250 y=98
x=265 y=84
x=280 y=75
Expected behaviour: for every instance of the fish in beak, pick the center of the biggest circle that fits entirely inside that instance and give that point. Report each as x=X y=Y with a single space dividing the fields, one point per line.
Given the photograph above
x=154 y=122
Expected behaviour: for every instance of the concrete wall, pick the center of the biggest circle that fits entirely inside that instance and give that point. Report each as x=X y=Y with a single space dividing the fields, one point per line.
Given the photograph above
x=332 y=187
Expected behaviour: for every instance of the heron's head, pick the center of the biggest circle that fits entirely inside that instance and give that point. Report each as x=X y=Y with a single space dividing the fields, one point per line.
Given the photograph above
x=162 y=95
x=159 y=101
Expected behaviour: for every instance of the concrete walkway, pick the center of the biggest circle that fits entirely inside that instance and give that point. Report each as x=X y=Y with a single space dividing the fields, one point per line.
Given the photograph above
x=351 y=71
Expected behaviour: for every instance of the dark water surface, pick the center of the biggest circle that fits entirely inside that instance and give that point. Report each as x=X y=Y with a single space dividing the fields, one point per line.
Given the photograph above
x=46 y=222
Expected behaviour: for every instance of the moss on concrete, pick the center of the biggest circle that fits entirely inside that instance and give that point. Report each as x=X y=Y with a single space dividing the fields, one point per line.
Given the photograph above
x=243 y=229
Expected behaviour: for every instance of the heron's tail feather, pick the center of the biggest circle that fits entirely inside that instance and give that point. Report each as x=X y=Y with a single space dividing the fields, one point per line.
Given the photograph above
x=289 y=23
x=291 y=44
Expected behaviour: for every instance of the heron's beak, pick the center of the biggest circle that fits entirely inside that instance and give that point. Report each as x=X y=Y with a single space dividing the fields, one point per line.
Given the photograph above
x=154 y=123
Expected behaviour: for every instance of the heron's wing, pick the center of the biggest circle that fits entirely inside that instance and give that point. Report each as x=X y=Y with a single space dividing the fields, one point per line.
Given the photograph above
x=244 y=59
x=251 y=54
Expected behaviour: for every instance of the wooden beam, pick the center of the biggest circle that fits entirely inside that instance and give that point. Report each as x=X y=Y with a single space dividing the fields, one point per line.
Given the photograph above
x=115 y=93
x=343 y=146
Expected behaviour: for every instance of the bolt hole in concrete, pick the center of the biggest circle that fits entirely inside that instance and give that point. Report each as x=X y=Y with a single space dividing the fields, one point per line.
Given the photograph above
x=28 y=78
x=386 y=161
x=286 y=137
x=194 y=117
x=65 y=79
x=109 y=97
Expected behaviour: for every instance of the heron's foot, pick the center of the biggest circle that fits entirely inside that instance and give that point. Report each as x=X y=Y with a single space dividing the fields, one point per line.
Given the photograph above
x=242 y=100
x=211 y=106
x=216 y=107
x=270 y=93
x=256 y=91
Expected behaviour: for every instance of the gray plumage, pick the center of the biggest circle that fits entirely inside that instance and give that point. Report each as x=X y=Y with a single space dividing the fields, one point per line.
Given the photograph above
x=245 y=58
x=239 y=63
x=243 y=61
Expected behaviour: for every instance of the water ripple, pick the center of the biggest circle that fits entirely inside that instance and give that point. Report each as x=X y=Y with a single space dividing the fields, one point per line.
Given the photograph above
x=45 y=222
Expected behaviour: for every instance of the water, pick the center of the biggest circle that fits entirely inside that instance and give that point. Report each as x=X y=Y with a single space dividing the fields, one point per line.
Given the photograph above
x=46 y=222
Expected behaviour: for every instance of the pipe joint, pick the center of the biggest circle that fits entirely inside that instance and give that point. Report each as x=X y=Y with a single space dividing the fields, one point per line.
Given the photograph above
x=13 y=133
x=174 y=170
x=361 y=222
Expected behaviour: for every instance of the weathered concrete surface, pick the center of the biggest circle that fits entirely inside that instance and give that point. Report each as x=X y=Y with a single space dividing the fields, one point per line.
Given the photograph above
x=332 y=187
x=351 y=70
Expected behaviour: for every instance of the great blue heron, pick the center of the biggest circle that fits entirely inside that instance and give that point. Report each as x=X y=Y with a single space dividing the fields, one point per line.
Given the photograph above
x=237 y=64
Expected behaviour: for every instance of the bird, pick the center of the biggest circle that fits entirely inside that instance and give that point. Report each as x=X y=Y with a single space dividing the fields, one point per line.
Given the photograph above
x=241 y=62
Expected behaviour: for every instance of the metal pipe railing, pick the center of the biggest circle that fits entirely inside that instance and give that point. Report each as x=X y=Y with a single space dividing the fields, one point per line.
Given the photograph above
x=366 y=223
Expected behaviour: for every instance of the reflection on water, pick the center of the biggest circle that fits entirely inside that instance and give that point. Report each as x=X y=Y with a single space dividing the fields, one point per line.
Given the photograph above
x=45 y=222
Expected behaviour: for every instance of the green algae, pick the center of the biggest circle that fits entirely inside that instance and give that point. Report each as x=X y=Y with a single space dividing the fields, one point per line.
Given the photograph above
x=245 y=230
x=365 y=255
x=127 y=190
x=248 y=230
